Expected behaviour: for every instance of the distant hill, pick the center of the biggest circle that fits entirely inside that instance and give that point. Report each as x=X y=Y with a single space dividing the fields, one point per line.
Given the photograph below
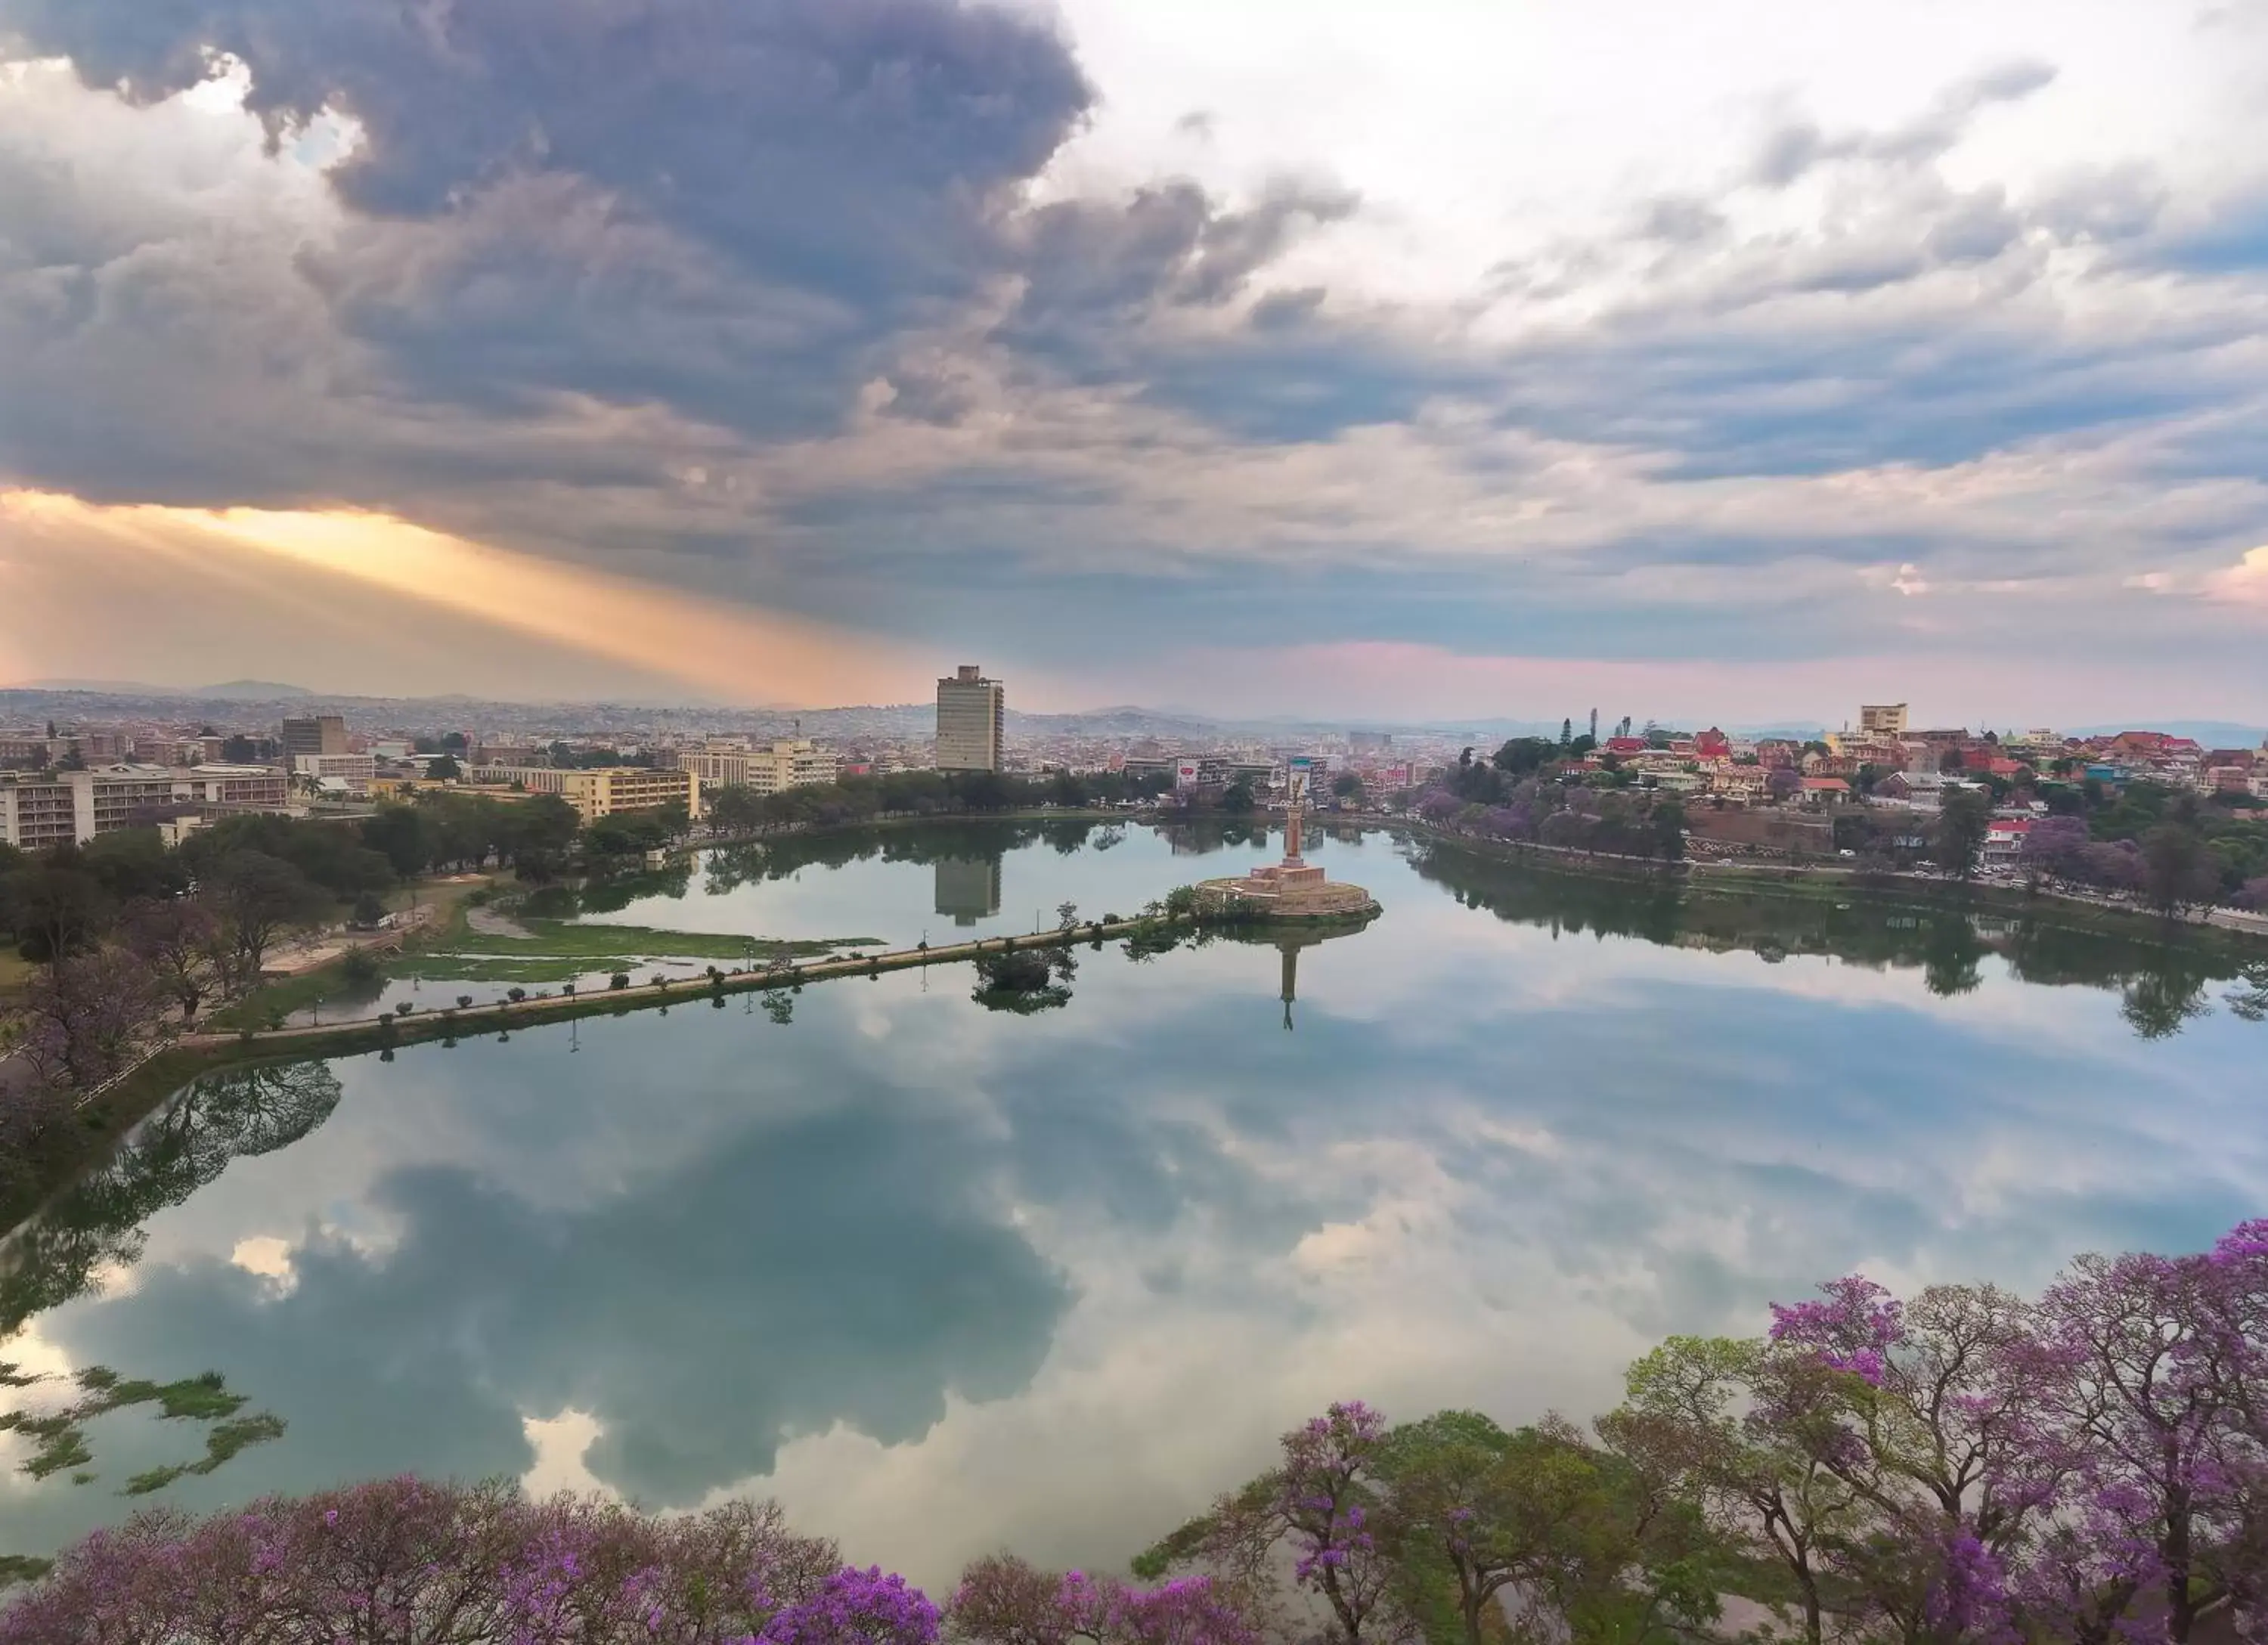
x=250 y=691
x=97 y=688
x=2214 y=734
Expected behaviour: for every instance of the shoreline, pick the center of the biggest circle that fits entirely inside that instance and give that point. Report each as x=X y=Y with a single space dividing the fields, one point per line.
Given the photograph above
x=1713 y=879
x=107 y=1114
x=111 y=1110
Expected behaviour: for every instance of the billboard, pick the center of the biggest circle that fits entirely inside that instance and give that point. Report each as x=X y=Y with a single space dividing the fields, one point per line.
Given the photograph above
x=1302 y=769
x=1185 y=774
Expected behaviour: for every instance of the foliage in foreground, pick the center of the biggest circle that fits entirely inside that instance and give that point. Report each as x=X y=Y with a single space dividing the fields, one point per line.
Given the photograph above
x=1966 y=1467
x=407 y=1562
x=1963 y=1468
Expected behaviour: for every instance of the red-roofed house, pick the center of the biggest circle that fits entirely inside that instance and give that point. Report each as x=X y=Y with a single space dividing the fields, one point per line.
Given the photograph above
x=2004 y=838
x=1712 y=743
x=1825 y=790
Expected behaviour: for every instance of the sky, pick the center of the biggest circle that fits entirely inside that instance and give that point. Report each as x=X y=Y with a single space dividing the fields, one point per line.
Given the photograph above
x=1742 y=361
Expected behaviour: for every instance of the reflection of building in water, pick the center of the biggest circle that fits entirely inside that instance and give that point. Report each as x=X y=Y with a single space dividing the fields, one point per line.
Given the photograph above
x=968 y=887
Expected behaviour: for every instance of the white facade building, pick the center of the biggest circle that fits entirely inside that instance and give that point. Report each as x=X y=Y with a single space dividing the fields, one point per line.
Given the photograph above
x=353 y=771
x=798 y=763
x=72 y=807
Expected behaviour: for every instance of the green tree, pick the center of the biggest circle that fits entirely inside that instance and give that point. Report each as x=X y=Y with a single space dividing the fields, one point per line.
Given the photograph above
x=257 y=898
x=133 y=863
x=1667 y=823
x=1964 y=820
x=1574 y=1529
x=54 y=907
x=982 y=791
x=398 y=833
x=1346 y=785
x=1691 y=1417
x=445 y=770
x=1236 y=800
x=736 y=809
x=2177 y=870
x=538 y=836
x=179 y=941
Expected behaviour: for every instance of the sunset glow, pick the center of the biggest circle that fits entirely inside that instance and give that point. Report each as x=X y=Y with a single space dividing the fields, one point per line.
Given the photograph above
x=731 y=652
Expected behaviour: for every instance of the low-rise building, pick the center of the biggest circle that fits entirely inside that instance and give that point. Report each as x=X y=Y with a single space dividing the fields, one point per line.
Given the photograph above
x=37 y=813
x=1916 y=790
x=601 y=791
x=1746 y=783
x=351 y=771
x=2004 y=840
x=770 y=769
x=66 y=808
x=225 y=790
x=720 y=763
x=795 y=763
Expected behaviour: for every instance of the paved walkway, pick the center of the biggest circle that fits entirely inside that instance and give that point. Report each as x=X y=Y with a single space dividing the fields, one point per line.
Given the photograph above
x=504 y=1013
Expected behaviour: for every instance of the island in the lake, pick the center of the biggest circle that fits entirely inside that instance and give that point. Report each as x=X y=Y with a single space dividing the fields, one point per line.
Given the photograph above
x=1294 y=889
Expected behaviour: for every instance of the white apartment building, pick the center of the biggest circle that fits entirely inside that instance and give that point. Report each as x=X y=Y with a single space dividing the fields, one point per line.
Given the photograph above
x=64 y=807
x=798 y=763
x=353 y=771
x=787 y=763
x=972 y=718
x=721 y=762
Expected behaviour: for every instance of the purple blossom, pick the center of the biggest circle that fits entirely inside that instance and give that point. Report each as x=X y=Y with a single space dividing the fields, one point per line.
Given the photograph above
x=857 y=1607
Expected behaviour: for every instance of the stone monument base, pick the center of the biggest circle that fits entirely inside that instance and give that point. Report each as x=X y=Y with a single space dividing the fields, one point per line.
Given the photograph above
x=1299 y=894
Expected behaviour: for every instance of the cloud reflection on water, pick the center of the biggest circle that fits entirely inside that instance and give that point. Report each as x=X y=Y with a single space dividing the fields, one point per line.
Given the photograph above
x=944 y=1280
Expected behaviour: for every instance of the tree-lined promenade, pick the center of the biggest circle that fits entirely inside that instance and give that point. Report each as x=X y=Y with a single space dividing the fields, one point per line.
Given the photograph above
x=1964 y=1466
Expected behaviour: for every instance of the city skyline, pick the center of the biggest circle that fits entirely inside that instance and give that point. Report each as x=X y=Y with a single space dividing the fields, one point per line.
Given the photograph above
x=1401 y=368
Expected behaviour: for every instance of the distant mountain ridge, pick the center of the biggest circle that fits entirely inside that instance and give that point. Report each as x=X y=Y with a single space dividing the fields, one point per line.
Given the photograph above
x=39 y=700
x=250 y=691
x=2213 y=733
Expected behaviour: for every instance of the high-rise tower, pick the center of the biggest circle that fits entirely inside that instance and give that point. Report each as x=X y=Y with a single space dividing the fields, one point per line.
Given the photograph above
x=972 y=717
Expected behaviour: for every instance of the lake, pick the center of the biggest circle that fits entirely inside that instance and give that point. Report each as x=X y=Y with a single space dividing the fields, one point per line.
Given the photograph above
x=944 y=1280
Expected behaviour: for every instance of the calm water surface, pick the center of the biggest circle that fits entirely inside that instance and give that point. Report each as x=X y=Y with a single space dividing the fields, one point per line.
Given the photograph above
x=944 y=1280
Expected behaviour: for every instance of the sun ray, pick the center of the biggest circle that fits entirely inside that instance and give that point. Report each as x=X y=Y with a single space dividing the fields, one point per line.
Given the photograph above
x=732 y=651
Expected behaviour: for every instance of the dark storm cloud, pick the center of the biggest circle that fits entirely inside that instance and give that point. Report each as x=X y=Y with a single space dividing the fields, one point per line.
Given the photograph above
x=725 y=208
x=855 y=145
x=589 y=249
x=1092 y=262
